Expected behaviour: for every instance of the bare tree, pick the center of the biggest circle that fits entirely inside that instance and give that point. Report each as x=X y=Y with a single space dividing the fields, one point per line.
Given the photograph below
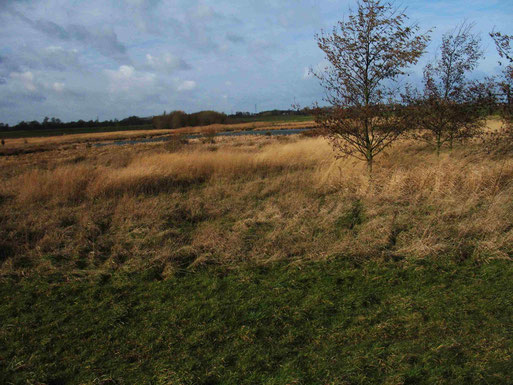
x=450 y=107
x=366 y=52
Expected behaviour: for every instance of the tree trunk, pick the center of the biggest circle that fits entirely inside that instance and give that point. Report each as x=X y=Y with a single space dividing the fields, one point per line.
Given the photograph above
x=369 y=166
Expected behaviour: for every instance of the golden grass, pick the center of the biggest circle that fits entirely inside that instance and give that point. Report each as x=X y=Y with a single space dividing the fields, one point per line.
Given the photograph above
x=251 y=199
x=164 y=171
x=63 y=183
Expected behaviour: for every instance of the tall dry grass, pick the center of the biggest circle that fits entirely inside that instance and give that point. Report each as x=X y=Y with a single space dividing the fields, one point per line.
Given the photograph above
x=254 y=200
x=435 y=206
x=162 y=172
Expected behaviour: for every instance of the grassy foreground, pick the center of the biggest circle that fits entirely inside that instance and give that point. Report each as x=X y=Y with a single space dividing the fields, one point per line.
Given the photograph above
x=333 y=322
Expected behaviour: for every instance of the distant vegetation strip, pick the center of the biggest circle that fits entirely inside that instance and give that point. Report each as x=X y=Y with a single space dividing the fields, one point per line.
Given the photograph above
x=272 y=118
x=173 y=120
x=56 y=124
x=11 y=134
x=178 y=119
x=35 y=129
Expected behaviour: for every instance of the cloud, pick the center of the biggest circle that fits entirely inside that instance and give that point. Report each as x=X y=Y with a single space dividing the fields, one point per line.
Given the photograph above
x=145 y=15
x=234 y=38
x=37 y=97
x=58 y=86
x=55 y=57
x=5 y=4
x=50 y=58
x=264 y=45
x=143 y=3
x=187 y=85
x=127 y=78
x=104 y=40
x=28 y=82
x=166 y=63
x=203 y=27
x=26 y=79
x=308 y=72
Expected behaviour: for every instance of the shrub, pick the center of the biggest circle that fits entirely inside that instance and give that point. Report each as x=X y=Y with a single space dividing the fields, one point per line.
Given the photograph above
x=177 y=119
x=175 y=143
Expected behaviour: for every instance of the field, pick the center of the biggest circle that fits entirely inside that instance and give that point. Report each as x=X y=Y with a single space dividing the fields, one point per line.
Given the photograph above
x=22 y=144
x=248 y=260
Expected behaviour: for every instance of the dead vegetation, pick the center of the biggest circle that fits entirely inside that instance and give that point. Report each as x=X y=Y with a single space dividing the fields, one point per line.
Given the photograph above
x=39 y=144
x=255 y=200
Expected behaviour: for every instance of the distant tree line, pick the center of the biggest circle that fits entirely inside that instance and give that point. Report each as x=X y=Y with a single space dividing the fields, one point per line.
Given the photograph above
x=275 y=112
x=56 y=123
x=177 y=119
x=174 y=119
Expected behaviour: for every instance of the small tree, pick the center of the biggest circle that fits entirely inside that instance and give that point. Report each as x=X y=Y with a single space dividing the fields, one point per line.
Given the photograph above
x=504 y=45
x=450 y=107
x=366 y=51
x=502 y=140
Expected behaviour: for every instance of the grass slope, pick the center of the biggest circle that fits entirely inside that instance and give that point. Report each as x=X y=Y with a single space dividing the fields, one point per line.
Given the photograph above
x=335 y=322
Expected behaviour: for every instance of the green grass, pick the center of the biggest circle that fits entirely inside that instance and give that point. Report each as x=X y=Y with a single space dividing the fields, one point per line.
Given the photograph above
x=337 y=322
x=69 y=131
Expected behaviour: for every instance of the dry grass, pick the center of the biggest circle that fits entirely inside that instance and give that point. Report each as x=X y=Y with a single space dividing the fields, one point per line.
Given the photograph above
x=27 y=143
x=249 y=199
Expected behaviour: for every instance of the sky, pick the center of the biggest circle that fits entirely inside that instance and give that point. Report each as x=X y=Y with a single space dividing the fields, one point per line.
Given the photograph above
x=110 y=59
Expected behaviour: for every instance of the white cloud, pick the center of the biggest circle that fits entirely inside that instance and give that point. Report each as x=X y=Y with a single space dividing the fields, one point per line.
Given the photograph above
x=166 y=63
x=152 y=61
x=318 y=68
x=187 y=85
x=57 y=48
x=127 y=78
x=58 y=87
x=26 y=79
